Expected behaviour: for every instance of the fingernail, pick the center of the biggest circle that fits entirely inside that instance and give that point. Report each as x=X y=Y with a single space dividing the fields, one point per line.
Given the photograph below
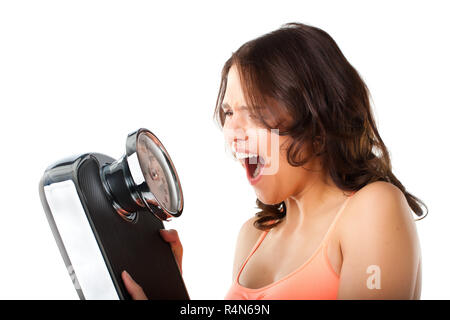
x=127 y=274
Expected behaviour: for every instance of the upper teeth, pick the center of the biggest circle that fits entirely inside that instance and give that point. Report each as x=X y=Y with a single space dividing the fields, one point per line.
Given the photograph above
x=240 y=155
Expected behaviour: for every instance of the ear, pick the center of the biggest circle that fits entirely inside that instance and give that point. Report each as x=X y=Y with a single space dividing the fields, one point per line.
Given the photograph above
x=318 y=144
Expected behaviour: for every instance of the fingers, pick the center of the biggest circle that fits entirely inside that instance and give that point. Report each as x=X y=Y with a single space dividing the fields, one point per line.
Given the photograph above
x=132 y=287
x=172 y=237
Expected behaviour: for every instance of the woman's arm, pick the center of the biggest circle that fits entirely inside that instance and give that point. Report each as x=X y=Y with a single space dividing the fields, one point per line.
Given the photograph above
x=380 y=246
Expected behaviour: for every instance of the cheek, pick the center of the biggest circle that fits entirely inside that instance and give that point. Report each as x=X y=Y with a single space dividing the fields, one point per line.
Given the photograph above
x=283 y=182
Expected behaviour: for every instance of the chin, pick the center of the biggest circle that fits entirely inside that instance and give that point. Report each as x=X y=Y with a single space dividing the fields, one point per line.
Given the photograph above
x=269 y=198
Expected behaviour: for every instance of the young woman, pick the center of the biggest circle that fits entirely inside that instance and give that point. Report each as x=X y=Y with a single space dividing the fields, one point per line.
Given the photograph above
x=335 y=222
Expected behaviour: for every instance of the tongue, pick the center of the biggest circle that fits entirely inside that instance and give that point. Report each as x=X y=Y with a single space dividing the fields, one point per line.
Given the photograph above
x=252 y=163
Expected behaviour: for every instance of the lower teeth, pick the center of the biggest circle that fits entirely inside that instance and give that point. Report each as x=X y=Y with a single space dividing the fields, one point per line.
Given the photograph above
x=255 y=174
x=259 y=165
x=257 y=170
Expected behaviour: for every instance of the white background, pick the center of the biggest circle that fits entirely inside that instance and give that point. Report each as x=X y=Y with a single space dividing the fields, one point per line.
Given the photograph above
x=78 y=76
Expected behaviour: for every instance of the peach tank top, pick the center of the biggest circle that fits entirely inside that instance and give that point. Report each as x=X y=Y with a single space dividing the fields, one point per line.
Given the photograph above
x=314 y=280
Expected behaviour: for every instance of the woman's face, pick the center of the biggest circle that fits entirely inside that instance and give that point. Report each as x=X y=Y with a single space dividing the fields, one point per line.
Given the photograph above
x=261 y=151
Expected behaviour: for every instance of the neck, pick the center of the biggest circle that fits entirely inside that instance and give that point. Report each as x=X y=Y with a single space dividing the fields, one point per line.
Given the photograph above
x=314 y=199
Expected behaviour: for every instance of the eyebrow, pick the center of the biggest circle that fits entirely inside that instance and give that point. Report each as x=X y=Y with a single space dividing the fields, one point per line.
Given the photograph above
x=226 y=105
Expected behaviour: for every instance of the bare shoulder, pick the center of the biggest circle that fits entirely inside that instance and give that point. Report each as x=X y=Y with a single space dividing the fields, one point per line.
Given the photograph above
x=377 y=230
x=248 y=231
x=377 y=208
x=379 y=200
x=247 y=237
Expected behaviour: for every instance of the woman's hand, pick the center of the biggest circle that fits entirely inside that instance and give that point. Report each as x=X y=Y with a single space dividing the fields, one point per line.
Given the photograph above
x=171 y=236
x=133 y=288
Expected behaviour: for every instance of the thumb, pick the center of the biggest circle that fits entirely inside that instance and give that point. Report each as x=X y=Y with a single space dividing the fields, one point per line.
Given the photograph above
x=170 y=235
x=132 y=287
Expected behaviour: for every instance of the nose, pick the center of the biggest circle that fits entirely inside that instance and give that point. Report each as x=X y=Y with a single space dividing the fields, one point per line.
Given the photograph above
x=234 y=135
x=234 y=129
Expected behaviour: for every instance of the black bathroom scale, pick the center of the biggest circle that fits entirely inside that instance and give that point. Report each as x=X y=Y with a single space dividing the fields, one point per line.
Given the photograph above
x=105 y=215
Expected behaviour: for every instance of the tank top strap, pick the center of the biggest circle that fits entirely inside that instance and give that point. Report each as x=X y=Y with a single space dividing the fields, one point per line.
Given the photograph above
x=336 y=218
x=258 y=242
x=324 y=241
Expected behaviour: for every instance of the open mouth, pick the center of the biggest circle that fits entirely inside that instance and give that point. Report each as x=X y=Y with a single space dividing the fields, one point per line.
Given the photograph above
x=254 y=165
x=252 y=162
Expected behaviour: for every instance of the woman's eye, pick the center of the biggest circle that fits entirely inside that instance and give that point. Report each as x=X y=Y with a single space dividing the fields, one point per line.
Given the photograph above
x=228 y=113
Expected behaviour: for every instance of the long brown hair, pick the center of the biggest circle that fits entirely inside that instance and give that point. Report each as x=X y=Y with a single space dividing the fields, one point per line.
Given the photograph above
x=299 y=75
